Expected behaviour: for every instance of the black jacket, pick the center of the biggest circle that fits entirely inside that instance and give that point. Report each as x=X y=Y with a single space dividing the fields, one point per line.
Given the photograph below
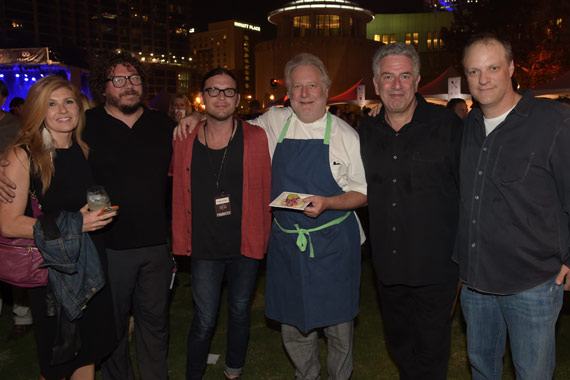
x=515 y=194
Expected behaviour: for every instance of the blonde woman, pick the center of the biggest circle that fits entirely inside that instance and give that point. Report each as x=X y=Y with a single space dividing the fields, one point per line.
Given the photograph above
x=50 y=139
x=179 y=107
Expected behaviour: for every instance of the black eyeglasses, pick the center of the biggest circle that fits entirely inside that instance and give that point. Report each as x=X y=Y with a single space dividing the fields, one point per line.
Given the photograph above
x=214 y=91
x=121 y=80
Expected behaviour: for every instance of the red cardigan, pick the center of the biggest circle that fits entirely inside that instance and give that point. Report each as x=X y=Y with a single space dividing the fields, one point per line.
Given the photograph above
x=256 y=213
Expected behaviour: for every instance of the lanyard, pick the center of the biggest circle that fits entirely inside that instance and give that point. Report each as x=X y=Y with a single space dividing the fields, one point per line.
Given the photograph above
x=217 y=177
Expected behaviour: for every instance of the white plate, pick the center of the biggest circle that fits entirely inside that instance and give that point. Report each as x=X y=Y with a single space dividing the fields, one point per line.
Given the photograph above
x=278 y=202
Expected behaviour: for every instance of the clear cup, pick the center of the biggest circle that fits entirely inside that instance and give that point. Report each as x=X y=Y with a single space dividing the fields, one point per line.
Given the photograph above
x=97 y=198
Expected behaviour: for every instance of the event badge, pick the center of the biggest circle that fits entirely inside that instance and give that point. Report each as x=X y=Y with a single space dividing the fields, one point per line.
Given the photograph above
x=222 y=205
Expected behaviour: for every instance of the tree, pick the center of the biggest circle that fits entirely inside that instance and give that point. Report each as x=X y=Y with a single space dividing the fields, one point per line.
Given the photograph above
x=539 y=31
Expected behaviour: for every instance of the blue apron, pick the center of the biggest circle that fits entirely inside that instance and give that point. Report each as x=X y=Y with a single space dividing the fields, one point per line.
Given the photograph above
x=322 y=290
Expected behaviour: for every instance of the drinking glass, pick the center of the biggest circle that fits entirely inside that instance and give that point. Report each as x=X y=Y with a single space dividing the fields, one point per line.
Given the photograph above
x=97 y=198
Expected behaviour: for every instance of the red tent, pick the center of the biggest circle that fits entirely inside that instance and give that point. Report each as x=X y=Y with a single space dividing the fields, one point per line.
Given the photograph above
x=347 y=96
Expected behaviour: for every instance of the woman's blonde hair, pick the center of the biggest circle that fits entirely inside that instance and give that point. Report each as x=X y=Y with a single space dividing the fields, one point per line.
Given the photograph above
x=34 y=136
x=171 y=106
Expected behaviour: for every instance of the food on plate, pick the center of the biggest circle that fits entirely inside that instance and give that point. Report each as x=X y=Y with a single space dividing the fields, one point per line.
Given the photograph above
x=293 y=200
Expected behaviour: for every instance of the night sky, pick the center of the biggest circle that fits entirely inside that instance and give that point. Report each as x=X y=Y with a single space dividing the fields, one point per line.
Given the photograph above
x=255 y=12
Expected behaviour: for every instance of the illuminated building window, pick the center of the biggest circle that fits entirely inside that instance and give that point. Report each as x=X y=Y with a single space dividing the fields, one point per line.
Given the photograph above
x=327 y=25
x=416 y=39
x=377 y=37
x=301 y=26
x=437 y=41
x=353 y=27
x=428 y=40
x=385 y=39
x=392 y=38
x=408 y=38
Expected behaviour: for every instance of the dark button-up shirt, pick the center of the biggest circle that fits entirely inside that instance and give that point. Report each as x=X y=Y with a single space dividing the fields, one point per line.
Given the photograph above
x=413 y=194
x=515 y=189
x=132 y=164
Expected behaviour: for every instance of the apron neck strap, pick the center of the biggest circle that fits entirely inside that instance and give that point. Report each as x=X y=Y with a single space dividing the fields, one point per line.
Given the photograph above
x=326 y=139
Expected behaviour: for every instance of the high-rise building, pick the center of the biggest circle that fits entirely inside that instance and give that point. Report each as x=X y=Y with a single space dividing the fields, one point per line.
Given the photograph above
x=155 y=30
x=149 y=26
x=227 y=44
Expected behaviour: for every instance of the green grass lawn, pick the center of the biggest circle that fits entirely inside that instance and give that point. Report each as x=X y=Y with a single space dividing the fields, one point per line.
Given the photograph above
x=266 y=358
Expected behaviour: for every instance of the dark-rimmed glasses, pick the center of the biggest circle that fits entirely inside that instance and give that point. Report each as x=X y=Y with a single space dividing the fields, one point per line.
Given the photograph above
x=121 y=80
x=214 y=91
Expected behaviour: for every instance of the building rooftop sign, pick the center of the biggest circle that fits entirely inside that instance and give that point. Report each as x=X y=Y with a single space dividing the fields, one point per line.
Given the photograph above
x=27 y=56
x=256 y=28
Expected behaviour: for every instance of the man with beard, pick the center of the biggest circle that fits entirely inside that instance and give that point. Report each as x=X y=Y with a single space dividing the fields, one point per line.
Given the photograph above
x=221 y=217
x=130 y=151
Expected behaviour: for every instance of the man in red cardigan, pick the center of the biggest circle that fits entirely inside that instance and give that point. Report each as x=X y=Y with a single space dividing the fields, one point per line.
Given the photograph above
x=221 y=217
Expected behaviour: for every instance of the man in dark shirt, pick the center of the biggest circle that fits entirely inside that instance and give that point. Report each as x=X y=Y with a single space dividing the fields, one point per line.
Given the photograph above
x=130 y=151
x=221 y=216
x=513 y=235
x=411 y=159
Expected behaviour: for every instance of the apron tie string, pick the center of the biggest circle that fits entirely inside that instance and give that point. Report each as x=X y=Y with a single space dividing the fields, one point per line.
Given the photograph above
x=303 y=233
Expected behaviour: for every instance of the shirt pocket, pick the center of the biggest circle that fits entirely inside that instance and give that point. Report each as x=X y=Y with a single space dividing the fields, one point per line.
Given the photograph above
x=426 y=170
x=339 y=172
x=512 y=166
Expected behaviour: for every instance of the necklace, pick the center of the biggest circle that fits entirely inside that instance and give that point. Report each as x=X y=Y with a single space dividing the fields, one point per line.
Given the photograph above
x=217 y=177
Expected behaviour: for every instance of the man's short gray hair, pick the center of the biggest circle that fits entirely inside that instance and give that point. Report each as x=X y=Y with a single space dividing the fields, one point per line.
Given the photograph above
x=307 y=59
x=396 y=48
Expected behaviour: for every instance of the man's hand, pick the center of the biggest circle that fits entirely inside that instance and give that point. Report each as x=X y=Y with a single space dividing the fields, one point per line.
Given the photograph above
x=186 y=126
x=7 y=187
x=320 y=204
x=346 y=201
x=562 y=278
x=376 y=110
x=94 y=220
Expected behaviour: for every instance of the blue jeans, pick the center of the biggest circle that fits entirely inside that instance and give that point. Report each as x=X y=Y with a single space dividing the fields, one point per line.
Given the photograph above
x=207 y=278
x=529 y=317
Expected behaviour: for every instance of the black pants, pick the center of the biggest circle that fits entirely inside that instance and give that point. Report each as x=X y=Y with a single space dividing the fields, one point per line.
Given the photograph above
x=417 y=326
x=140 y=280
